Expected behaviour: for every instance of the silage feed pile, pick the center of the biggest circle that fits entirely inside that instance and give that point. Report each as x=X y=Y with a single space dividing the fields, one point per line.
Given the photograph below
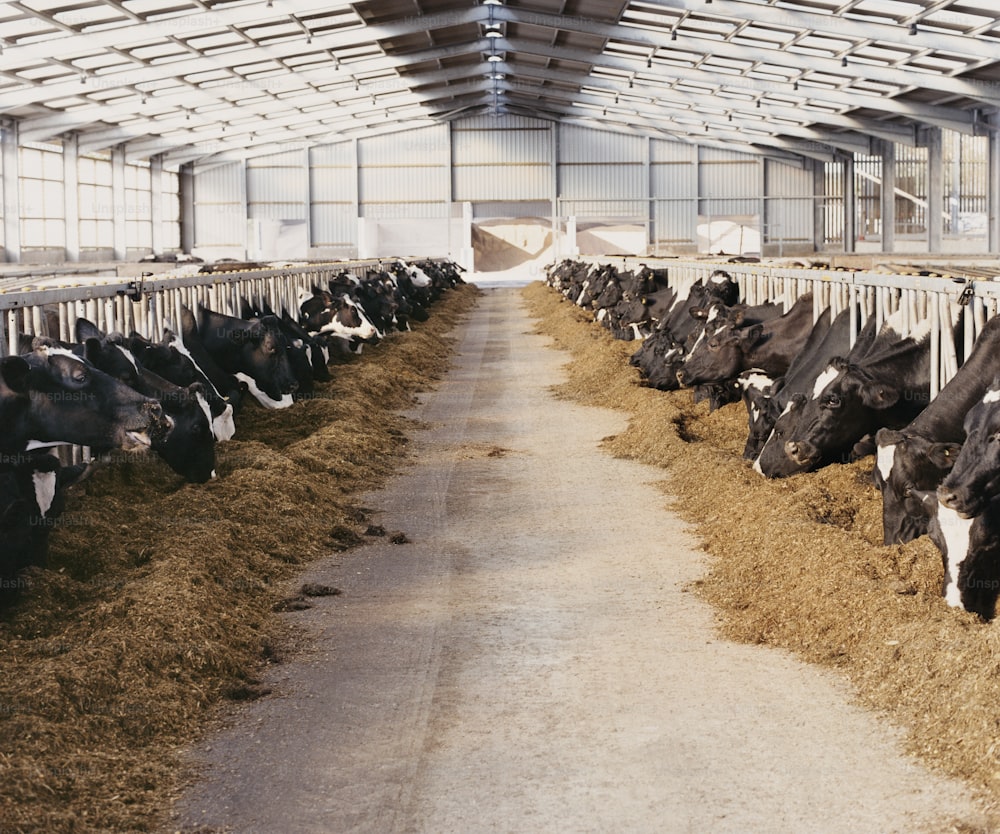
x=798 y=563
x=159 y=601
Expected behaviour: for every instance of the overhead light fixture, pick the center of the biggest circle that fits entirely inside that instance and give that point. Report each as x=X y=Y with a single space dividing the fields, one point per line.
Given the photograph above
x=492 y=3
x=843 y=61
x=673 y=34
x=494 y=58
x=913 y=28
x=497 y=76
x=493 y=31
x=795 y=84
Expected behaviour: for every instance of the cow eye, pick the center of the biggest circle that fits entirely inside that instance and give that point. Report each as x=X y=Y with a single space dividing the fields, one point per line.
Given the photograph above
x=832 y=401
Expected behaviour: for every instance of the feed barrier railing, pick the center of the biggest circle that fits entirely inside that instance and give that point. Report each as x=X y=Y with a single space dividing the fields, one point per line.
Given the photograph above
x=921 y=300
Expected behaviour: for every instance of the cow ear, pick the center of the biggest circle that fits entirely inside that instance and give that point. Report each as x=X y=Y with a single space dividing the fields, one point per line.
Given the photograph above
x=879 y=395
x=86 y=329
x=943 y=455
x=14 y=371
x=796 y=402
x=889 y=437
x=168 y=336
x=737 y=317
x=92 y=350
x=749 y=336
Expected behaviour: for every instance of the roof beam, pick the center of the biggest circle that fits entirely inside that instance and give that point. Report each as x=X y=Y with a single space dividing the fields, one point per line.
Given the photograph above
x=623 y=32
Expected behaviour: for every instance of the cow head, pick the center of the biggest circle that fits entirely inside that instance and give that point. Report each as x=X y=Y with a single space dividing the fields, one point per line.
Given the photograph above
x=907 y=465
x=974 y=480
x=57 y=397
x=720 y=354
x=840 y=412
x=970 y=553
x=773 y=460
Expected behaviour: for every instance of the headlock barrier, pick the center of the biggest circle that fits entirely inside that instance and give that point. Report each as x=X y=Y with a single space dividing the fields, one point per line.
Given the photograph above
x=149 y=304
x=922 y=301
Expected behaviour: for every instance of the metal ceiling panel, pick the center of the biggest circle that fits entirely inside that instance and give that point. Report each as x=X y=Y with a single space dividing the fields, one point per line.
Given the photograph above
x=213 y=81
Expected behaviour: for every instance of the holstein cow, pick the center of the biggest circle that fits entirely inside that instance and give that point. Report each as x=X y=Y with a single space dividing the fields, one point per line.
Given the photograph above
x=766 y=397
x=970 y=552
x=253 y=351
x=919 y=456
x=49 y=397
x=188 y=447
x=886 y=385
x=661 y=354
x=336 y=316
x=974 y=480
x=728 y=349
x=172 y=360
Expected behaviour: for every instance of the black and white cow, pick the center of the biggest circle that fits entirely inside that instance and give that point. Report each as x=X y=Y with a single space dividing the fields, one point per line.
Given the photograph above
x=51 y=397
x=188 y=447
x=661 y=354
x=253 y=351
x=921 y=455
x=171 y=359
x=974 y=480
x=727 y=349
x=970 y=553
x=853 y=397
x=766 y=397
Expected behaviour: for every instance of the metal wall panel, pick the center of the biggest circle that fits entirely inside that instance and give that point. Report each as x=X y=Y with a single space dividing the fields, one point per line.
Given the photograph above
x=278 y=187
x=788 y=208
x=504 y=159
x=729 y=183
x=581 y=144
x=219 y=213
x=338 y=153
x=403 y=184
x=334 y=225
x=663 y=150
x=426 y=146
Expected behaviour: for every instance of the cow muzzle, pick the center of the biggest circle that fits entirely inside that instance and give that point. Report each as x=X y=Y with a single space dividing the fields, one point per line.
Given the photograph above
x=803 y=453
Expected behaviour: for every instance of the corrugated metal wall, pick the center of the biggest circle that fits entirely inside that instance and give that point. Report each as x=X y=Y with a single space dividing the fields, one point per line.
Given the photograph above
x=220 y=217
x=333 y=194
x=404 y=175
x=502 y=162
x=505 y=167
x=601 y=174
x=278 y=187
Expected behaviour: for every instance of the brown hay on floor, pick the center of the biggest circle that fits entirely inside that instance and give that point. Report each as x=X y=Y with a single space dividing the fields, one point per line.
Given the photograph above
x=798 y=563
x=158 y=603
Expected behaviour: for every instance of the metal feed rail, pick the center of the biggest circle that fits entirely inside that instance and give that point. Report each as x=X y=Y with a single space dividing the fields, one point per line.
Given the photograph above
x=153 y=303
x=865 y=293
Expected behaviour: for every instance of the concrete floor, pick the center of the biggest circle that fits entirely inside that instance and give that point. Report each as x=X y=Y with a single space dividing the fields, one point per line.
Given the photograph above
x=532 y=662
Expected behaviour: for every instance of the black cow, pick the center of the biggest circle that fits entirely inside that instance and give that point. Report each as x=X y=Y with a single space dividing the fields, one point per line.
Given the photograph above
x=974 y=480
x=253 y=351
x=52 y=396
x=188 y=447
x=724 y=351
x=661 y=354
x=920 y=456
x=970 y=552
x=226 y=384
x=886 y=383
x=32 y=500
x=766 y=398
x=172 y=360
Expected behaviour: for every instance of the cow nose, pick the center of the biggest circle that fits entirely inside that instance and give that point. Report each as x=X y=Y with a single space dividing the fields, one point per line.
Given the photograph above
x=792 y=450
x=947 y=497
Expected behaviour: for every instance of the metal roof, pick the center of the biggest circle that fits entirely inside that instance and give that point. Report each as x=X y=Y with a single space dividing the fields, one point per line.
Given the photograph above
x=212 y=81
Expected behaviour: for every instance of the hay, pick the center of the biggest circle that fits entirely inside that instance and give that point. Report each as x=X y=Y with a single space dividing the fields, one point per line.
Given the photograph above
x=798 y=563
x=158 y=604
